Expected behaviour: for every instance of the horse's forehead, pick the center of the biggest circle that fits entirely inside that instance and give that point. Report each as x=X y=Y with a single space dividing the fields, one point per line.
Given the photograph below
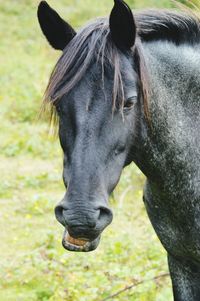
x=88 y=102
x=94 y=90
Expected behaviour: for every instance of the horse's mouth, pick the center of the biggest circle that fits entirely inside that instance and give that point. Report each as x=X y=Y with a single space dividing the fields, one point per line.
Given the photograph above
x=79 y=245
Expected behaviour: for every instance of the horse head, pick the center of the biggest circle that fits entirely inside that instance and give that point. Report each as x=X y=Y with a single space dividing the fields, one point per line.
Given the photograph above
x=96 y=91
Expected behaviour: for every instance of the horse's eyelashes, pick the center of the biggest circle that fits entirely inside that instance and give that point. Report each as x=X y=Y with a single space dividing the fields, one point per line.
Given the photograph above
x=130 y=102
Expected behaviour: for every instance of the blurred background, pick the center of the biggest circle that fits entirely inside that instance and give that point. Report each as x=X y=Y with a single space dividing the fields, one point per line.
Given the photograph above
x=33 y=264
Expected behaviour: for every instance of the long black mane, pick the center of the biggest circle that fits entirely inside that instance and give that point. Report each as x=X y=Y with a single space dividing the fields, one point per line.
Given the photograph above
x=168 y=25
x=93 y=42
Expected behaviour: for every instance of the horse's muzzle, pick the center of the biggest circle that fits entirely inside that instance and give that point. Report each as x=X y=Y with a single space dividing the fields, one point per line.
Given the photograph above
x=83 y=226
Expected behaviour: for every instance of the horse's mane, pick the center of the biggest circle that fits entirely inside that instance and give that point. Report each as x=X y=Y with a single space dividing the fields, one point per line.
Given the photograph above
x=93 y=42
x=177 y=27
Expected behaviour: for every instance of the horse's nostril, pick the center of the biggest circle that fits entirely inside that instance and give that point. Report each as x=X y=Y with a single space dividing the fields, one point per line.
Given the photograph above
x=59 y=214
x=105 y=214
x=58 y=211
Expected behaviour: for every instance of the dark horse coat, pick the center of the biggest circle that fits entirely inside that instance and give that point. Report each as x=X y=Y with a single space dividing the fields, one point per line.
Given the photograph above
x=127 y=89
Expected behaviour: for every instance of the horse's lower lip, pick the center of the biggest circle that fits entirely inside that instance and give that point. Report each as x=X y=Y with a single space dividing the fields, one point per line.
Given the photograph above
x=79 y=245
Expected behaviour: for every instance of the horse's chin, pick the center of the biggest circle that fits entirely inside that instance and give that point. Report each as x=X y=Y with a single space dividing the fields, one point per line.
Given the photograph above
x=79 y=245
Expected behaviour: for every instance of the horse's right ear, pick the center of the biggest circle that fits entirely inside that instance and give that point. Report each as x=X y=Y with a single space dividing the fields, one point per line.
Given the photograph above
x=58 y=32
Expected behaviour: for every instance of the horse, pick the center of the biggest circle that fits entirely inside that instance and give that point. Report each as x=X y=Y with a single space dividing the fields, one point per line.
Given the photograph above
x=127 y=89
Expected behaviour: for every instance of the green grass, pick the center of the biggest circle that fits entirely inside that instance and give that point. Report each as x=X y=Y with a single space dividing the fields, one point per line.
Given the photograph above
x=33 y=265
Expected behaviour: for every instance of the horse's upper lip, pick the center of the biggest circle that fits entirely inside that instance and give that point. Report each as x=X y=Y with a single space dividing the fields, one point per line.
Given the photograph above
x=79 y=244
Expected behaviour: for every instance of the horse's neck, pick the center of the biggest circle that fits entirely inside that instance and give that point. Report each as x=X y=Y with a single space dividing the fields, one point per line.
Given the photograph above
x=175 y=81
x=174 y=144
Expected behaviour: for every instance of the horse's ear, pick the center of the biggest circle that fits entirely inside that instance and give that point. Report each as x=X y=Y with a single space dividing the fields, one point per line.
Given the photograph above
x=58 y=32
x=122 y=25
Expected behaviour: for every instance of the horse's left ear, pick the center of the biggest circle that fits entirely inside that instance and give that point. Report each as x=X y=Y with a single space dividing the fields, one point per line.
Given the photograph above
x=122 y=25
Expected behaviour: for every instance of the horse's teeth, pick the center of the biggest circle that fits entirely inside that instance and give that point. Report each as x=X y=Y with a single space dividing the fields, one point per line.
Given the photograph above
x=75 y=241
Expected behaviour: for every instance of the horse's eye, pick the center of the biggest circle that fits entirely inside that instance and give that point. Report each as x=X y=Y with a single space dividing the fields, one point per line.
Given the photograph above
x=130 y=102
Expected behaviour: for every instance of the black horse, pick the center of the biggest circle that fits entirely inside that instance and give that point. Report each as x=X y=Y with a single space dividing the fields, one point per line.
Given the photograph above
x=127 y=89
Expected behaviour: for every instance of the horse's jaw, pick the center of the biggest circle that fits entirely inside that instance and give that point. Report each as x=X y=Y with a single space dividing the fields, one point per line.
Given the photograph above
x=79 y=244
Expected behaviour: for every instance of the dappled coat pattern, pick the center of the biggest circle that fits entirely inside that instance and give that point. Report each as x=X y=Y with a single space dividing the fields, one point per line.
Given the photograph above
x=127 y=89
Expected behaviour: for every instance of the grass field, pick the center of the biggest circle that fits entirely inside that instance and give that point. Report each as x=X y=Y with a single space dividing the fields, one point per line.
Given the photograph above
x=33 y=264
